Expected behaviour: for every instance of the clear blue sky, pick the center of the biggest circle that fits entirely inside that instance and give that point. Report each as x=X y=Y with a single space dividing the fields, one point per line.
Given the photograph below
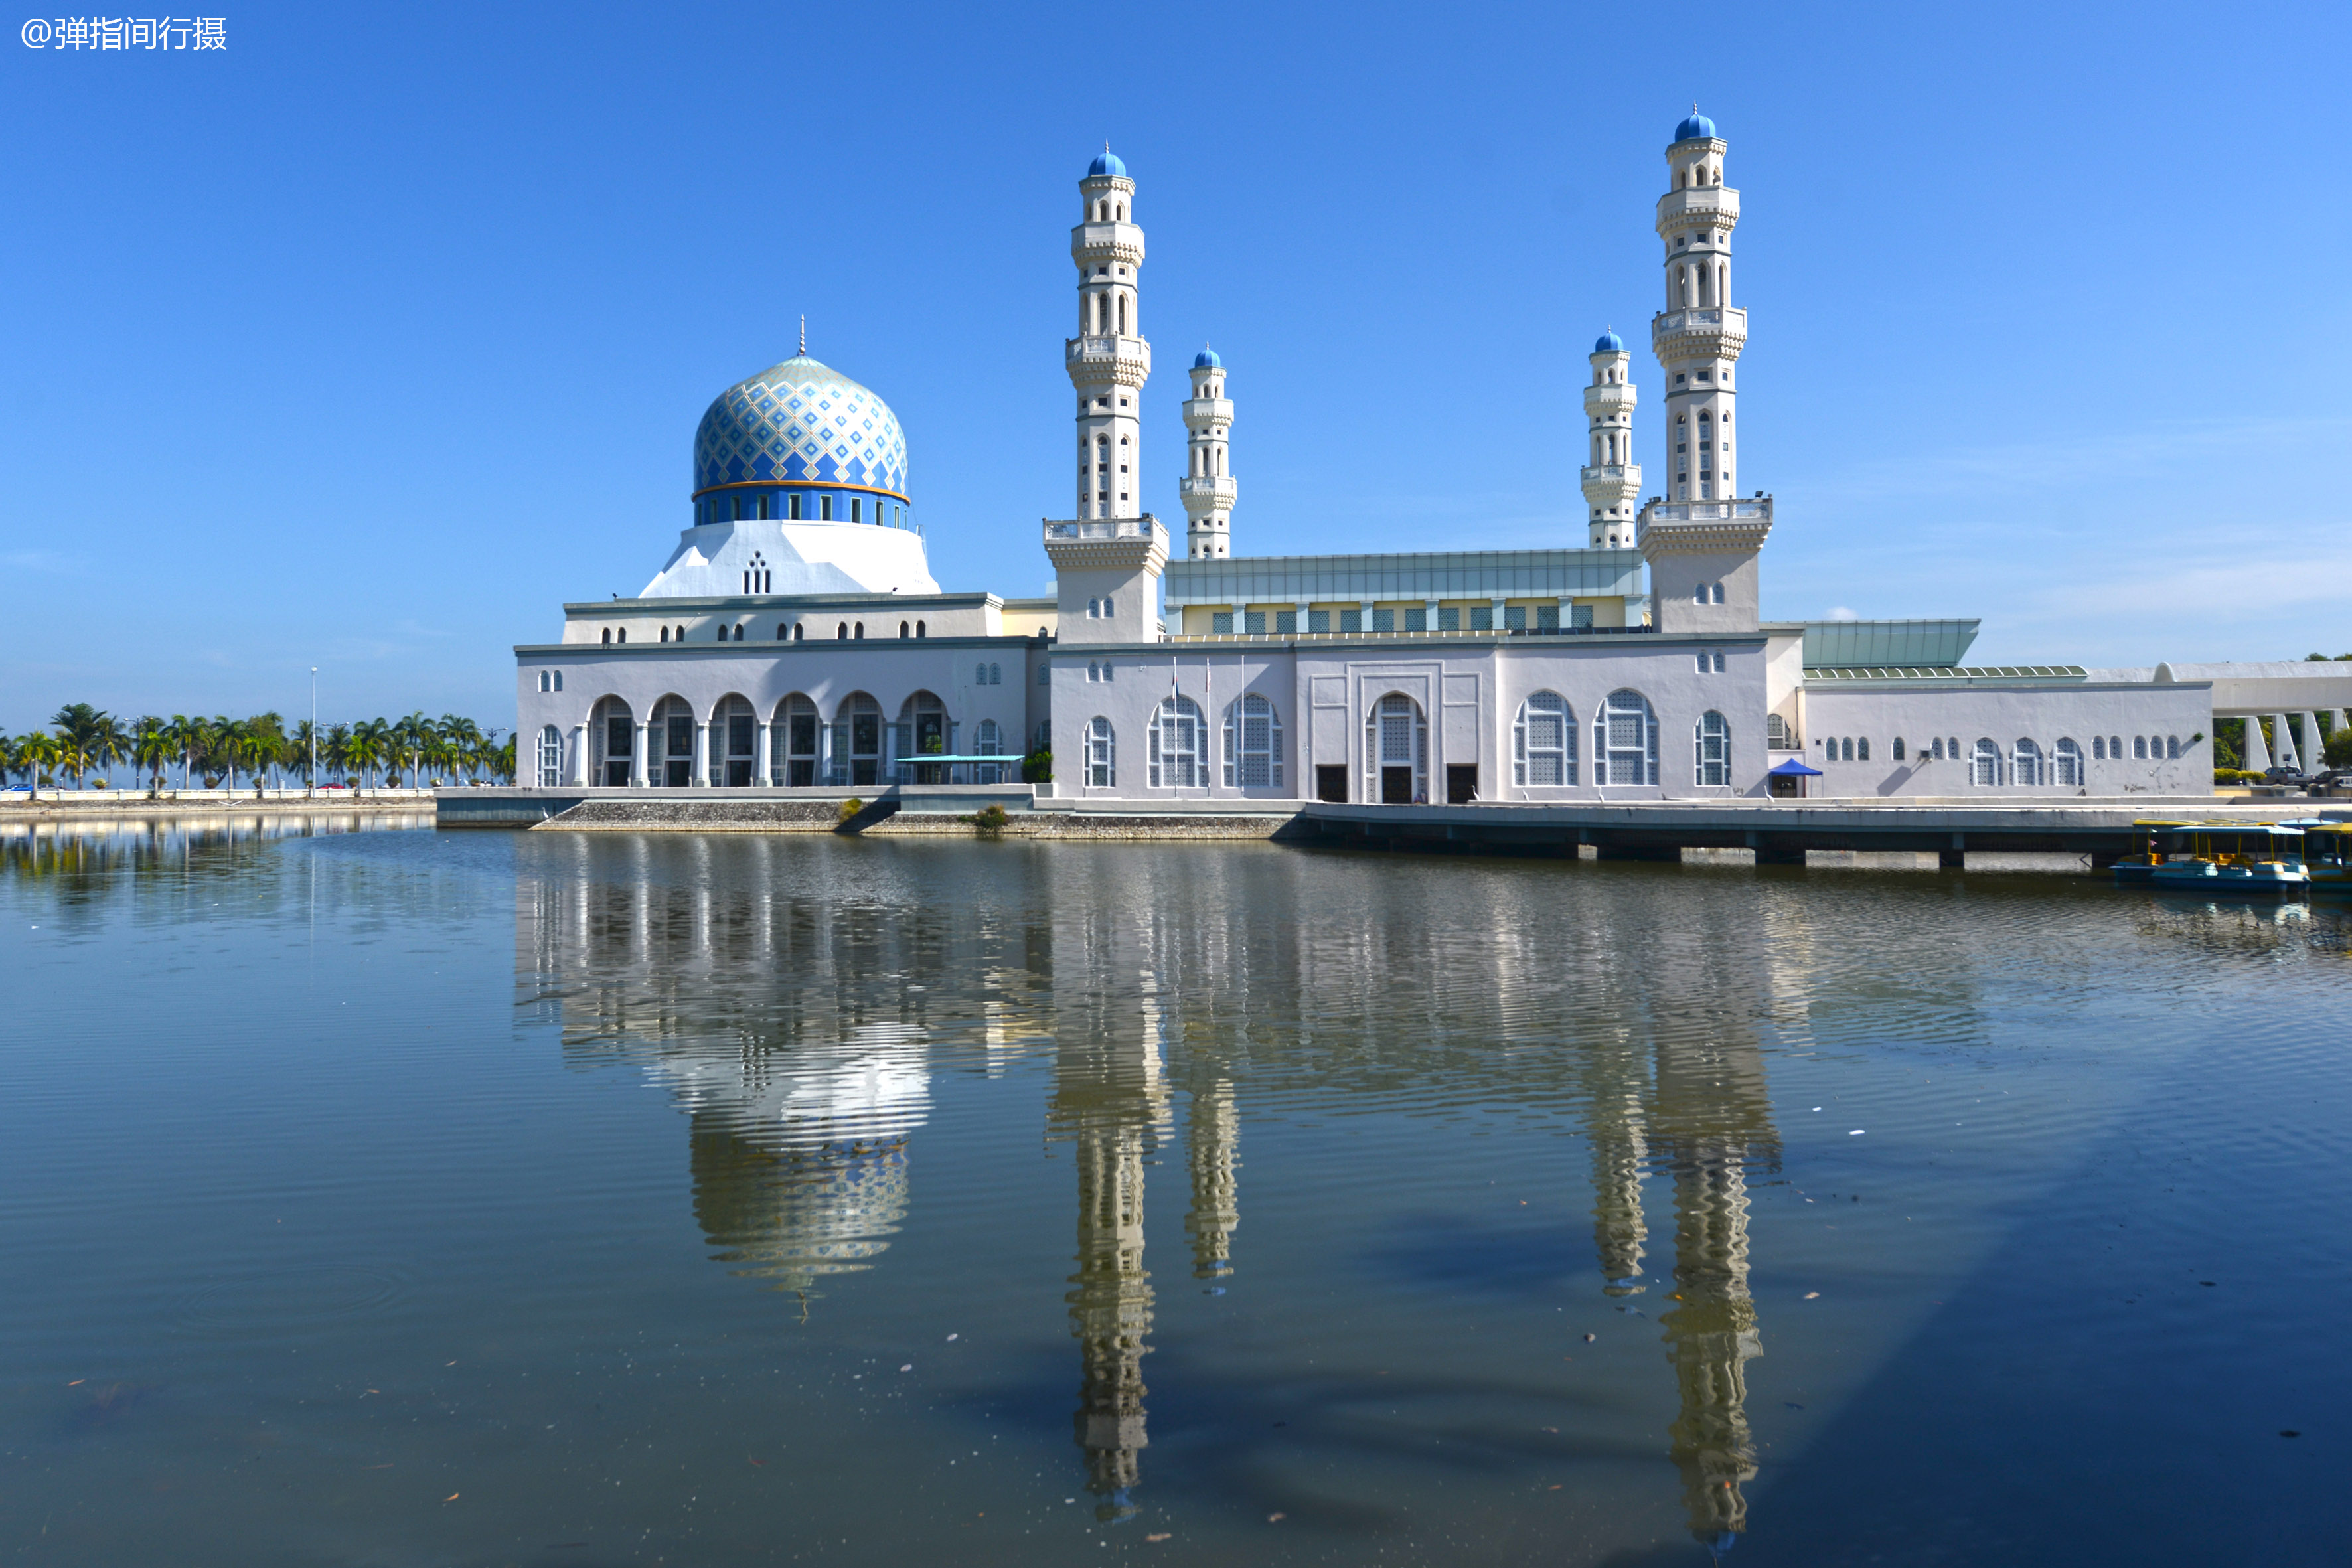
x=368 y=341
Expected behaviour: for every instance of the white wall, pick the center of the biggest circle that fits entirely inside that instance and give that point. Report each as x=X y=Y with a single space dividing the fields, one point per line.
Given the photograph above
x=2044 y=714
x=1469 y=695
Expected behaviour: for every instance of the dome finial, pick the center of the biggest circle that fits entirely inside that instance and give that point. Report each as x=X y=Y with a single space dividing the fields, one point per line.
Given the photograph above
x=803 y=334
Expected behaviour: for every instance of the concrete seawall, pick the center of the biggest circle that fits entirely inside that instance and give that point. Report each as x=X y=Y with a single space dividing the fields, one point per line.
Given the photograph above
x=1977 y=834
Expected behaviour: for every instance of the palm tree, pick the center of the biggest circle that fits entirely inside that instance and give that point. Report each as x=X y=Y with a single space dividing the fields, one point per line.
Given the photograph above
x=370 y=744
x=409 y=738
x=150 y=746
x=85 y=735
x=300 y=747
x=180 y=734
x=502 y=762
x=36 y=755
x=335 y=748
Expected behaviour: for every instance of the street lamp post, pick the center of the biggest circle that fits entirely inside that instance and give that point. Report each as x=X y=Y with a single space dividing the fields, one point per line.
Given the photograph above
x=310 y=778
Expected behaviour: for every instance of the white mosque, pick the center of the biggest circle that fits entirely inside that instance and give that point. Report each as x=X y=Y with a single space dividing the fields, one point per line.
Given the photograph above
x=795 y=639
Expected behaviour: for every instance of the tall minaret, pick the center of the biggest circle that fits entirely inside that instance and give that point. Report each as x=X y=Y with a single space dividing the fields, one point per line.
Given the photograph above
x=1611 y=479
x=1698 y=335
x=1108 y=360
x=1208 y=489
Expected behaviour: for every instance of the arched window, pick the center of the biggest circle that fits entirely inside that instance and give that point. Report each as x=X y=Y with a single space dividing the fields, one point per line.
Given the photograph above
x=857 y=632
x=544 y=684
x=2114 y=748
x=1898 y=748
x=1543 y=742
x=920 y=630
x=1936 y=748
x=1984 y=764
x=980 y=675
x=1122 y=315
x=665 y=637
x=905 y=629
x=2098 y=748
x=559 y=680
x=996 y=674
x=611 y=743
x=1102 y=754
x=551 y=757
x=2067 y=766
x=792 y=743
x=800 y=630
x=780 y=631
x=2171 y=742
x=844 y=633
x=1396 y=752
x=1848 y=744
x=1862 y=748
x=2139 y=748
x=987 y=741
x=2028 y=769
x=1713 y=750
x=1776 y=733
x=608 y=636
x=1625 y=741
x=857 y=741
x=1175 y=744
x=1253 y=743
x=622 y=636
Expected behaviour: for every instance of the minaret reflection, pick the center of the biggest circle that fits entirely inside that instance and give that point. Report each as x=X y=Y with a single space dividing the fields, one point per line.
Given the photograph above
x=1111 y=1103
x=1711 y=1118
x=1212 y=1134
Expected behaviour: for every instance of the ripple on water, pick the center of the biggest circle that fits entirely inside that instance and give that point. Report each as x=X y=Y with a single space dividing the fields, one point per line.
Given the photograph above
x=288 y=1299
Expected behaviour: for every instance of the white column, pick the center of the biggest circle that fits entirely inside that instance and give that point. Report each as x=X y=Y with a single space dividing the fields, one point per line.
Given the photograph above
x=638 y=762
x=1364 y=615
x=1301 y=611
x=2313 y=750
x=2283 y=741
x=1429 y=615
x=2256 y=755
x=579 y=754
x=1497 y=613
x=762 y=769
x=701 y=773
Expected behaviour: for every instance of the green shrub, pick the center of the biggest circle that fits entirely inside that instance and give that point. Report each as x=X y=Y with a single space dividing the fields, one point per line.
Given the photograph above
x=1037 y=767
x=991 y=818
x=849 y=808
x=2338 y=750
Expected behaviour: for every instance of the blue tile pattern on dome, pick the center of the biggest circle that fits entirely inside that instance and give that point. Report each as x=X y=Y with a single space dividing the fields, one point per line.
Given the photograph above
x=800 y=423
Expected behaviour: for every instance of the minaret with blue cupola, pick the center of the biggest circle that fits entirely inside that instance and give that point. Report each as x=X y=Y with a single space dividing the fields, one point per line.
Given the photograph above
x=1208 y=489
x=1698 y=336
x=1109 y=360
x=1611 y=479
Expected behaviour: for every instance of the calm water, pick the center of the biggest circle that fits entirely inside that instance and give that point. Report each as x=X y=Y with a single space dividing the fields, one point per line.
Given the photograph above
x=398 y=1197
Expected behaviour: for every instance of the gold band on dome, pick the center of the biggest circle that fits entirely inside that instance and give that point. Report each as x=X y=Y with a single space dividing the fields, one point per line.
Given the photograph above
x=796 y=485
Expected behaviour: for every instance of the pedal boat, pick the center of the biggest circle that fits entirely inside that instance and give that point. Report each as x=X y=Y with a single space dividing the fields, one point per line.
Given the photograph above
x=2244 y=858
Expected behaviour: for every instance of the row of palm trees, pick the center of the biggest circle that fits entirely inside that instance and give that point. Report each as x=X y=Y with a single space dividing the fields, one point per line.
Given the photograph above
x=371 y=752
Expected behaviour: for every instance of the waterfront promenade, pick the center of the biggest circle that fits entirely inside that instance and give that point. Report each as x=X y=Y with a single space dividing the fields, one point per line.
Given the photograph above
x=2088 y=832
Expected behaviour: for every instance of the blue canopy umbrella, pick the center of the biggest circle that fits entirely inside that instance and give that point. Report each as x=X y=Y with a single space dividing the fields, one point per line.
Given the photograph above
x=1793 y=769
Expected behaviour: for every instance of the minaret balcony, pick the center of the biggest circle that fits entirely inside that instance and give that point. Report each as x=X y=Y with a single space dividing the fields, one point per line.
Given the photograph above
x=1112 y=242
x=1203 y=411
x=1124 y=360
x=1702 y=206
x=1711 y=332
x=1208 y=492
x=1612 y=397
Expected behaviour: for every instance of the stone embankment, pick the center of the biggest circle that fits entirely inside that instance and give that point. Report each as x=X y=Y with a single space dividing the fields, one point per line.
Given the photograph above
x=80 y=805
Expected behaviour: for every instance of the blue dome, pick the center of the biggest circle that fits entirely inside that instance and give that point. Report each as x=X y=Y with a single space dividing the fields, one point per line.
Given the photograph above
x=1107 y=163
x=800 y=423
x=1608 y=343
x=1698 y=126
x=1207 y=360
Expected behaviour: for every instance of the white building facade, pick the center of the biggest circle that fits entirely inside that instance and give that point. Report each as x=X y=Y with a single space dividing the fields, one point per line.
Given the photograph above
x=796 y=640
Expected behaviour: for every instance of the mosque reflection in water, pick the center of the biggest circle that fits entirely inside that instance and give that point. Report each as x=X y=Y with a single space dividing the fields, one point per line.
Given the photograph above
x=802 y=1098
